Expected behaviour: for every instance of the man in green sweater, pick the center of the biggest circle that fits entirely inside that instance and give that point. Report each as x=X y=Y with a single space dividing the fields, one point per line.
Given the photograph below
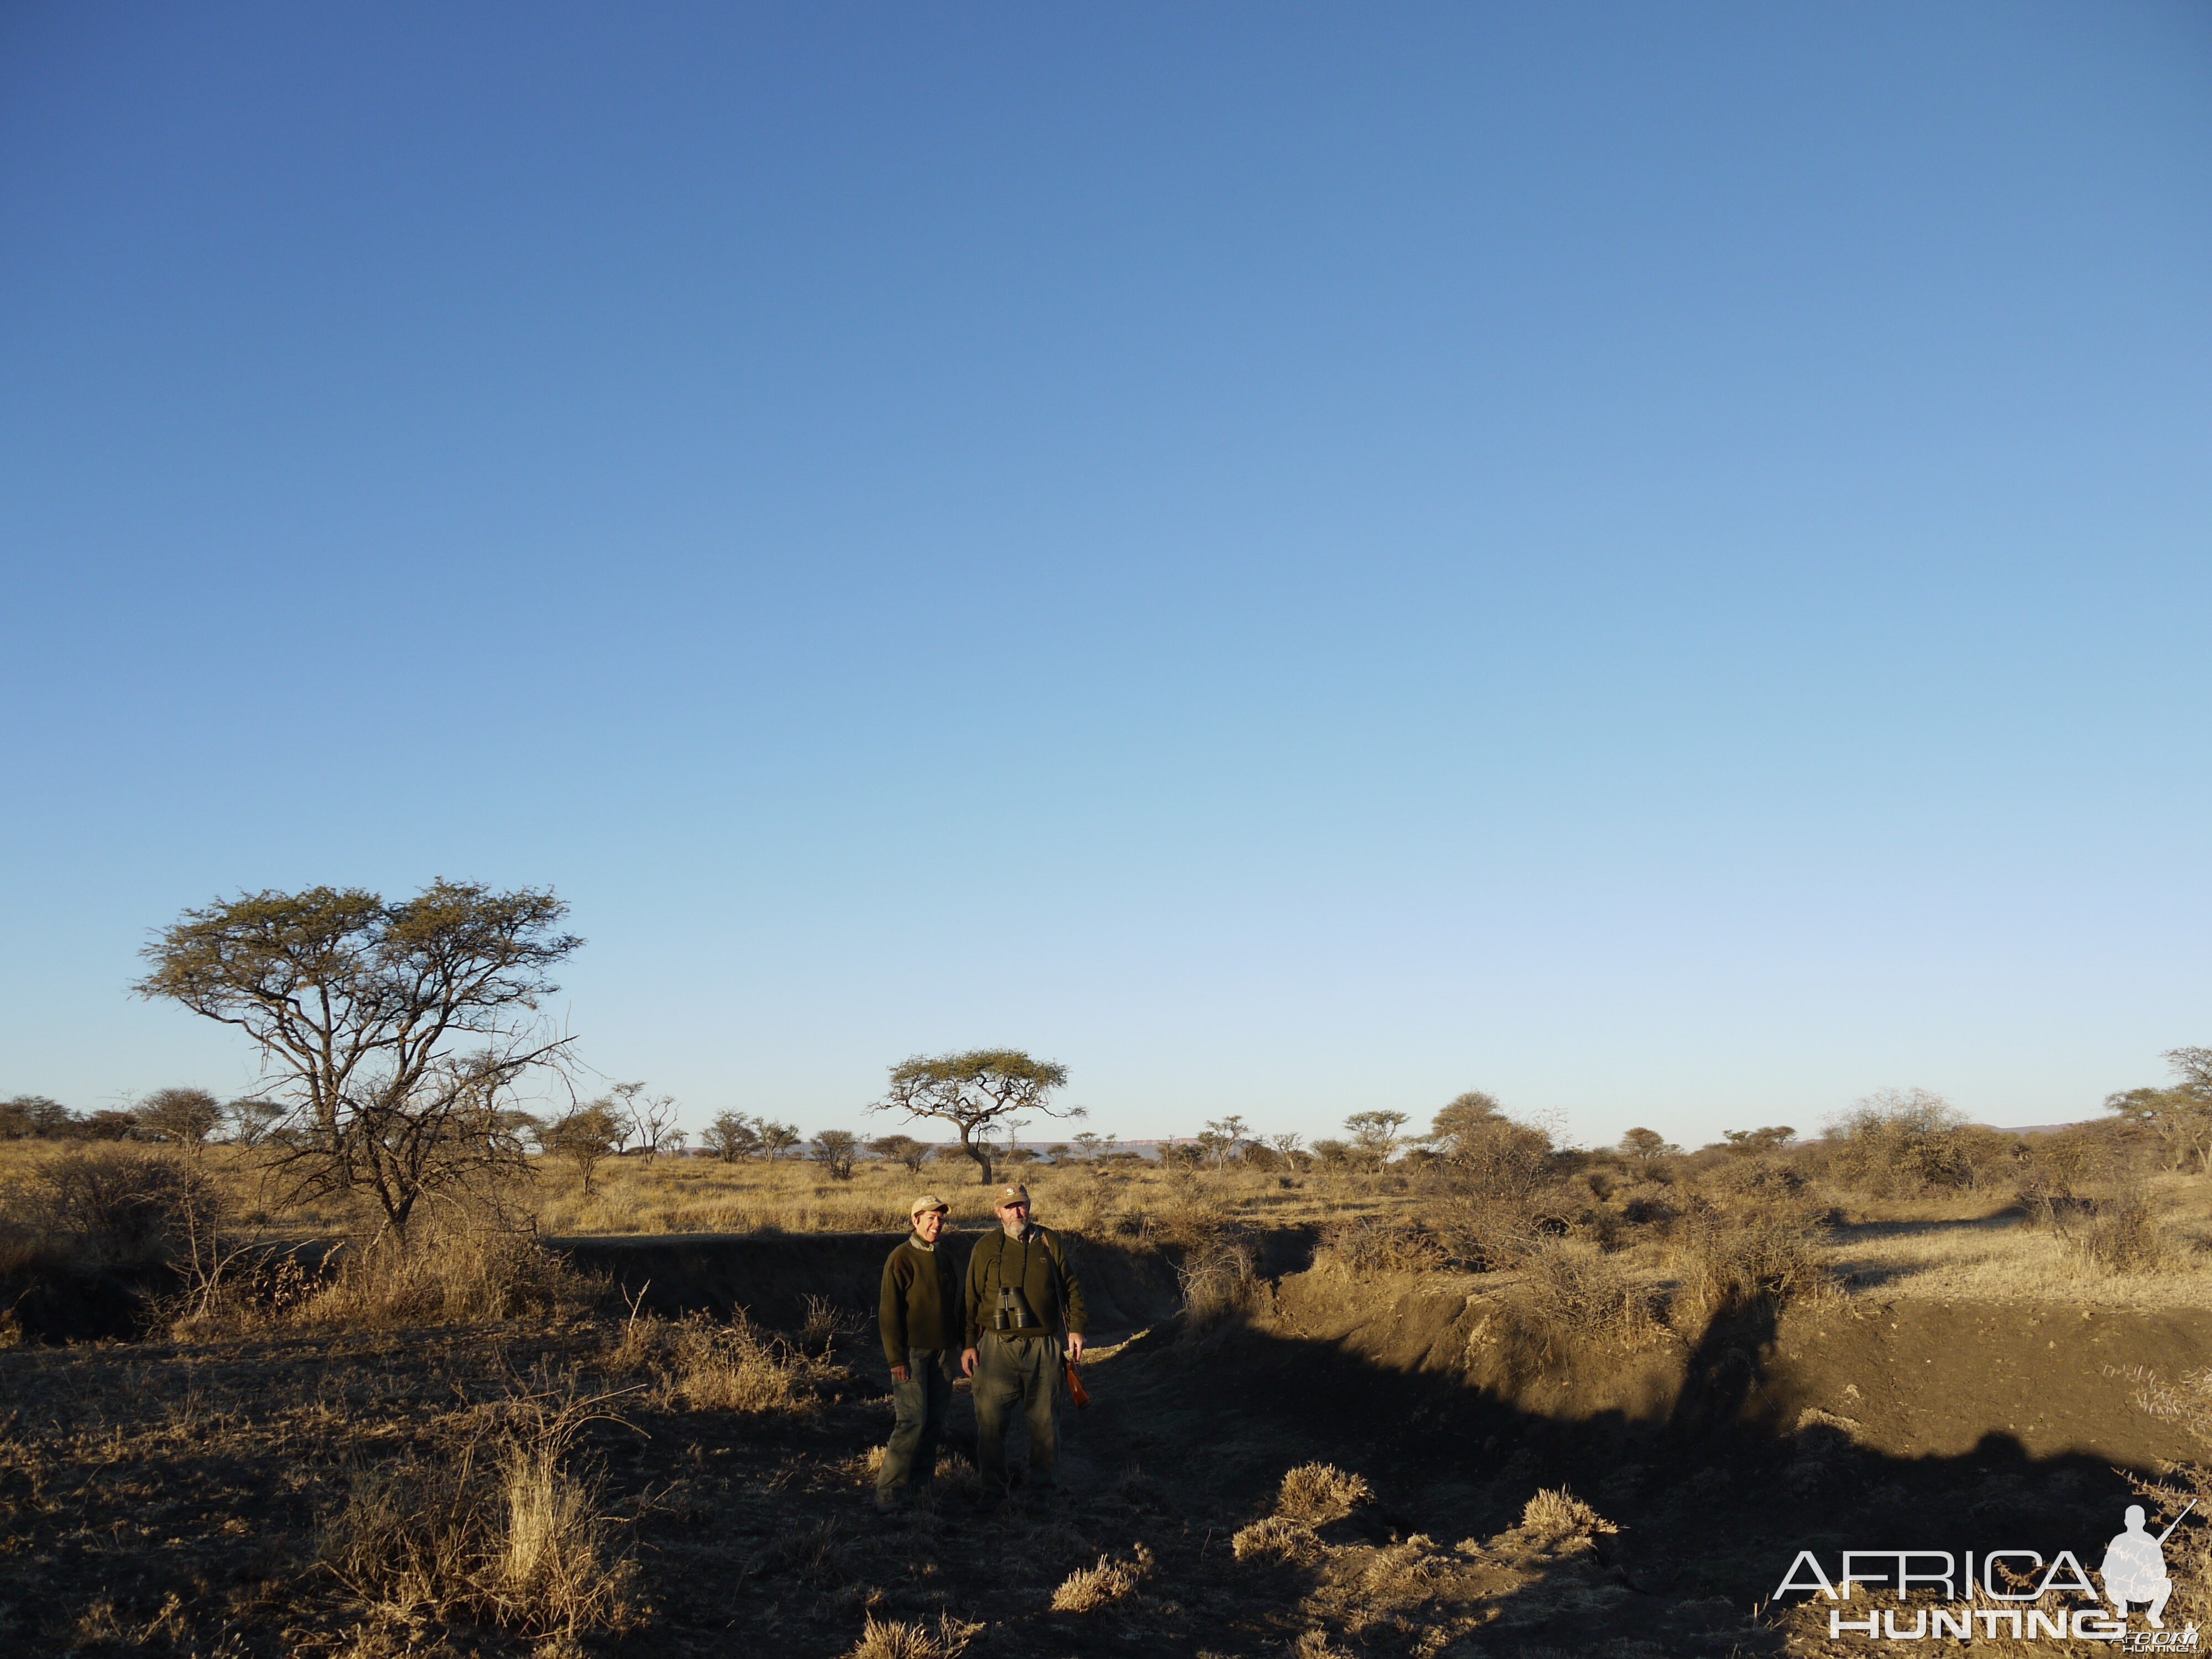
x=919 y=1316
x=1021 y=1301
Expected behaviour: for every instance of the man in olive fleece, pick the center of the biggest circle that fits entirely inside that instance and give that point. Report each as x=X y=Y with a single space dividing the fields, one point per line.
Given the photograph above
x=920 y=1314
x=1021 y=1297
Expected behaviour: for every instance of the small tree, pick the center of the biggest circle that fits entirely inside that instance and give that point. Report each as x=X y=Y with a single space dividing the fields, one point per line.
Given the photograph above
x=251 y=1120
x=650 y=1119
x=2180 y=1116
x=183 y=1118
x=1285 y=1146
x=835 y=1150
x=1219 y=1141
x=777 y=1139
x=1089 y=1145
x=584 y=1137
x=35 y=1117
x=732 y=1136
x=1641 y=1145
x=1331 y=1154
x=1489 y=1155
x=1751 y=1143
x=1375 y=1135
x=975 y=1092
x=899 y=1149
x=397 y=1033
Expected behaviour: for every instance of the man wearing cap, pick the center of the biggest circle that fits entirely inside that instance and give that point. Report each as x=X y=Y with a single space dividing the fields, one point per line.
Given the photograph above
x=919 y=1316
x=1021 y=1300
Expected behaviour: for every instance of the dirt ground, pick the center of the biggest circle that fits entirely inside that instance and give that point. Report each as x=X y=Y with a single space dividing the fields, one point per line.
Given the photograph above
x=168 y=1498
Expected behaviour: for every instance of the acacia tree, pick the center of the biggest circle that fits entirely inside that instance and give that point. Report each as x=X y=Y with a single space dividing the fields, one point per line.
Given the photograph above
x=394 y=1034
x=835 y=1150
x=650 y=1119
x=184 y=1117
x=1375 y=1135
x=585 y=1136
x=978 y=1093
x=899 y=1149
x=777 y=1139
x=732 y=1136
x=2181 y=1116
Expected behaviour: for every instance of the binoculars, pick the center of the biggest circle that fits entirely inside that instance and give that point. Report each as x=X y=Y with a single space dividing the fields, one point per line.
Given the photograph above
x=1013 y=1312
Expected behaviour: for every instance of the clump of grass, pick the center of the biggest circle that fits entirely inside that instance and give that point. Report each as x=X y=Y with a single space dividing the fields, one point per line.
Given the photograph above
x=1556 y=1513
x=887 y=1638
x=1278 y=1538
x=1311 y=1496
x=1318 y=1493
x=504 y=1528
x=703 y=1364
x=1089 y=1588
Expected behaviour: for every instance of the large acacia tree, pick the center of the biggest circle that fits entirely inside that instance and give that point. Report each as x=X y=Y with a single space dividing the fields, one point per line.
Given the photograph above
x=975 y=1092
x=393 y=1034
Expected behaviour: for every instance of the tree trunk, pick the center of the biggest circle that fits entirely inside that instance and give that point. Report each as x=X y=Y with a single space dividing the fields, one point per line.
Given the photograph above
x=982 y=1159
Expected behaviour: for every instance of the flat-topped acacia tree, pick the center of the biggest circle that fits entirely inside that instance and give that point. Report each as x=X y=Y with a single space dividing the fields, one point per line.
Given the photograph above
x=974 y=1092
x=393 y=1034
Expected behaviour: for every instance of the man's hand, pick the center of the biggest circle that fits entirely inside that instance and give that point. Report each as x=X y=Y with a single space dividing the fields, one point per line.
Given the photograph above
x=900 y=1374
x=967 y=1362
x=1075 y=1345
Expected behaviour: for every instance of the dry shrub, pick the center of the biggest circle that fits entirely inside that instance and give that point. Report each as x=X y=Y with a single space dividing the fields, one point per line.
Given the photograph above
x=109 y=1205
x=1731 y=1257
x=501 y=1527
x=2118 y=1233
x=1089 y=1588
x=1574 y=1291
x=704 y=1364
x=1318 y=1493
x=1218 y=1278
x=1553 y=1514
x=1378 y=1244
x=886 y=1638
x=1762 y=1179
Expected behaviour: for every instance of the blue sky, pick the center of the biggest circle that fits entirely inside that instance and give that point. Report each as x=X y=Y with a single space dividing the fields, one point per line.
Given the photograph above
x=1653 y=560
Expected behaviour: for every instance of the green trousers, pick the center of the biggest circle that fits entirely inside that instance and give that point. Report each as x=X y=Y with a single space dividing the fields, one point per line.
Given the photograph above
x=919 y=1406
x=1011 y=1369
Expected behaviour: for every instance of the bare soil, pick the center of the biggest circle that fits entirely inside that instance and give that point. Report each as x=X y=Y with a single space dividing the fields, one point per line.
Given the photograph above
x=165 y=1499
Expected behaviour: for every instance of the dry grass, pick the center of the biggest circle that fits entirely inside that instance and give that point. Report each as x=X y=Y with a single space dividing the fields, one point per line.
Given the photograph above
x=1968 y=1253
x=1318 y=1493
x=1552 y=1515
x=887 y=1638
x=702 y=1364
x=1089 y=1588
x=501 y=1528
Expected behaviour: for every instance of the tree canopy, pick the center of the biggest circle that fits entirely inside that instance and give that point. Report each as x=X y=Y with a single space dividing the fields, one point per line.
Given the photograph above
x=975 y=1092
x=394 y=1033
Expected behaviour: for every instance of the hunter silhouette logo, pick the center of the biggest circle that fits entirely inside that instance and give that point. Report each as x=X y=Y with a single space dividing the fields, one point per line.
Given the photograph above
x=2134 y=1566
x=2012 y=1593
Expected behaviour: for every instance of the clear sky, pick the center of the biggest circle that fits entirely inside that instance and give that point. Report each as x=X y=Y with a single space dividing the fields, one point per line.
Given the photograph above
x=1651 y=560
